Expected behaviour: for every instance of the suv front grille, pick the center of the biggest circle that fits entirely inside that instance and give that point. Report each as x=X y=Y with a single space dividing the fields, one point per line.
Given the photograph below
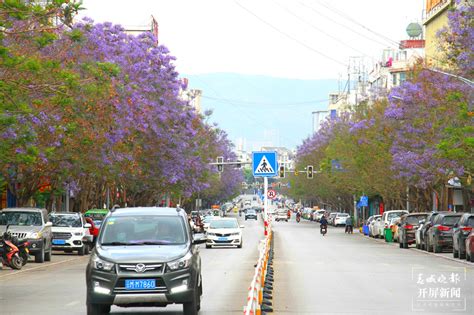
x=62 y=235
x=144 y=268
x=19 y=235
x=159 y=282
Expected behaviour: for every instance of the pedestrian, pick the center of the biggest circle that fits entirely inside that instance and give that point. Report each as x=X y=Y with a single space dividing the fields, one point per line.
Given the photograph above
x=349 y=224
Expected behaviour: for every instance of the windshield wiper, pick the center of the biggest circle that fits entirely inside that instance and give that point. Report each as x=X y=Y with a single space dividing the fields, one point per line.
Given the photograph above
x=154 y=243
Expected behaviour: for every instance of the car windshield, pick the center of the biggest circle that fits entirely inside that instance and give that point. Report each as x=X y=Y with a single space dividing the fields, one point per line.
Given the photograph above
x=450 y=220
x=393 y=215
x=65 y=220
x=143 y=230
x=96 y=216
x=21 y=218
x=415 y=219
x=224 y=224
x=207 y=219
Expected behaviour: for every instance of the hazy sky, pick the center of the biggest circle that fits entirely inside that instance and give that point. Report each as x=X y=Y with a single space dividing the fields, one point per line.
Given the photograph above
x=304 y=39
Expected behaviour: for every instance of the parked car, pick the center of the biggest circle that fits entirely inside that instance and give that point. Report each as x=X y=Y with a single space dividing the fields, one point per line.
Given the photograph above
x=470 y=247
x=425 y=227
x=71 y=232
x=387 y=216
x=371 y=223
x=440 y=234
x=461 y=231
x=144 y=256
x=318 y=214
x=224 y=232
x=331 y=217
x=250 y=214
x=407 y=228
x=340 y=219
x=376 y=227
x=31 y=224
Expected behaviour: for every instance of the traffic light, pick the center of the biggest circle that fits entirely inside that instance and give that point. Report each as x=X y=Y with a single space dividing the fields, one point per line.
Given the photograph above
x=281 y=172
x=309 y=171
x=220 y=166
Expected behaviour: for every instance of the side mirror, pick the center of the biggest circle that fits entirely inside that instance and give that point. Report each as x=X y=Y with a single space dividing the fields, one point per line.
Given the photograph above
x=87 y=226
x=199 y=238
x=48 y=224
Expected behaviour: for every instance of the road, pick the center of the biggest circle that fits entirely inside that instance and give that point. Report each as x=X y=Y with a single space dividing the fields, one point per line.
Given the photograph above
x=59 y=287
x=353 y=274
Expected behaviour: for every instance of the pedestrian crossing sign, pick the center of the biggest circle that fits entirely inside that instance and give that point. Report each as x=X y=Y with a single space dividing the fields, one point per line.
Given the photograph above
x=264 y=164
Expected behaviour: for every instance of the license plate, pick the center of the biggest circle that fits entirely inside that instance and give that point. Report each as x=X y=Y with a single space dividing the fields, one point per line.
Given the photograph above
x=222 y=239
x=59 y=242
x=140 y=284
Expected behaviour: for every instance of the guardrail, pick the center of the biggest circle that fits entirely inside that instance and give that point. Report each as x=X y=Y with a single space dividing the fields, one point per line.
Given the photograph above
x=261 y=287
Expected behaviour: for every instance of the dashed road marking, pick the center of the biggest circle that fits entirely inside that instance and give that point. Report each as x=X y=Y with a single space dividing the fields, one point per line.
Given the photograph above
x=39 y=267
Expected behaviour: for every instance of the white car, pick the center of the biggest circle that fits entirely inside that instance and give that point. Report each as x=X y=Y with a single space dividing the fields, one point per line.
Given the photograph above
x=70 y=232
x=340 y=219
x=387 y=216
x=318 y=214
x=224 y=232
x=281 y=216
x=374 y=226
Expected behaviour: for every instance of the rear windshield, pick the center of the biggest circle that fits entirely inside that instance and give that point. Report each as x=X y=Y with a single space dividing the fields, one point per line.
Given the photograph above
x=415 y=219
x=143 y=230
x=392 y=215
x=342 y=215
x=450 y=220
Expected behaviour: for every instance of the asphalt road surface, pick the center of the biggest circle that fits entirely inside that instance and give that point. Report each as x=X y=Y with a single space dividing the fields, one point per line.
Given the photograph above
x=354 y=274
x=58 y=287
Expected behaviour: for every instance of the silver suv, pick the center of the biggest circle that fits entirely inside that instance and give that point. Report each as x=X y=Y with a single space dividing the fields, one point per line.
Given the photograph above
x=31 y=224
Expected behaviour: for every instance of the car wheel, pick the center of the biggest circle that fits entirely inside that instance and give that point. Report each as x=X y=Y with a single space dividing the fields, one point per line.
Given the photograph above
x=47 y=256
x=240 y=246
x=39 y=257
x=97 y=309
x=400 y=244
x=87 y=249
x=462 y=255
x=208 y=246
x=191 y=308
x=428 y=246
x=405 y=244
x=436 y=248
x=81 y=251
x=471 y=258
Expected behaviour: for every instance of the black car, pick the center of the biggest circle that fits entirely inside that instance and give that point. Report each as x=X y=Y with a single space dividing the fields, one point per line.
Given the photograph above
x=144 y=257
x=426 y=226
x=407 y=227
x=460 y=232
x=250 y=214
x=440 y=234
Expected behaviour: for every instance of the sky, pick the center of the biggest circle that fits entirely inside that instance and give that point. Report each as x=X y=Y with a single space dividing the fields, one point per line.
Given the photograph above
x=293 y=39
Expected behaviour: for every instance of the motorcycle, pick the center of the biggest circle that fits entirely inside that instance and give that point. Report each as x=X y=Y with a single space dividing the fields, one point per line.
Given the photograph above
x=324 y=229
x=14 y=252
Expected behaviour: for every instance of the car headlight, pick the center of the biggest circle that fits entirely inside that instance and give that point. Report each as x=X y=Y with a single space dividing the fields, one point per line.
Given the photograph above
x=182 y=263
x=35 y=235
x=100 y=264
x=211 y=234
x=78 y=233
x=238 y=233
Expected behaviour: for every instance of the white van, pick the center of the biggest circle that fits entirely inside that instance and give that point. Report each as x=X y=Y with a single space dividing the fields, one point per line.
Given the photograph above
x=387 y=216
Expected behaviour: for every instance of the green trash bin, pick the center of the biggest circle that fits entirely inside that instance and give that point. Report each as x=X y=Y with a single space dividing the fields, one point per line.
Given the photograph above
x=388 y=235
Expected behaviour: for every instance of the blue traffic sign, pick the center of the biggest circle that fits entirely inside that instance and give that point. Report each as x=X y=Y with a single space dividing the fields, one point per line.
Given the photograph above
x=264 y=164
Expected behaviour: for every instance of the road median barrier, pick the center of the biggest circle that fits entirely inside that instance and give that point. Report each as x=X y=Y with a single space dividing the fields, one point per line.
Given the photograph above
x=259 y=298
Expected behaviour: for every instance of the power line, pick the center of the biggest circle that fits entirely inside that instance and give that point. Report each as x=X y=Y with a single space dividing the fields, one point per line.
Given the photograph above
x=349 y=18
x=288 y=35
x=340 y=24
x=318 y=29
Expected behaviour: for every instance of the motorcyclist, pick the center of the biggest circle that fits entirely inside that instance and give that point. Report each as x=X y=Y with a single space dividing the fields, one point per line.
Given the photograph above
x=323 y=222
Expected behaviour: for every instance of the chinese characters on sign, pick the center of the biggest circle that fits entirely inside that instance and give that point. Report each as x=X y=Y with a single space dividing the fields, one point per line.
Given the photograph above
x=439 y=291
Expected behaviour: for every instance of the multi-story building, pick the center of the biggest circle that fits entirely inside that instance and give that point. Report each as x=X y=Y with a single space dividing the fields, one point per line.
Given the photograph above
x=436 y=17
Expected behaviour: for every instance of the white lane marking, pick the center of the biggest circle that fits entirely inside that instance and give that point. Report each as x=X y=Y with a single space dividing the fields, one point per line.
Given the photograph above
x=72 y=303
x=43 y=266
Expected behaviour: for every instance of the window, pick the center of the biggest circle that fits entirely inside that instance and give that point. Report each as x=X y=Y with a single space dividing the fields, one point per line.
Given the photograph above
x=402 y=77
x=394 y=78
